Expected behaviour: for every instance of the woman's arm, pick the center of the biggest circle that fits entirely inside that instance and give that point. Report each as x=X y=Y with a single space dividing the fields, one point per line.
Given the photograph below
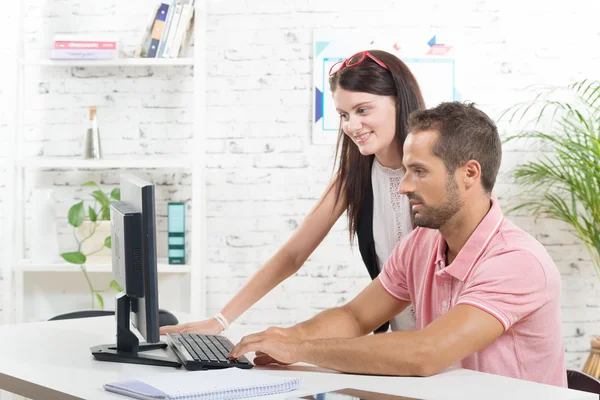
x=286 y=262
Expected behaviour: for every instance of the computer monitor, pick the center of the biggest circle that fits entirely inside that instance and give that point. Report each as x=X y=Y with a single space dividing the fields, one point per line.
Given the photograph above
x=133 y=238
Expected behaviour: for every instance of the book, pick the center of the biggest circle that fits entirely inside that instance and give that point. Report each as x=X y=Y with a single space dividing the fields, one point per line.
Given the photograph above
x=85 y=45
x=158 y=30
x=183 y=28
x=165 y=34
x=218 y=384
x=83 y=54
x=146 y=36
x=86 y=37
x=172 y=30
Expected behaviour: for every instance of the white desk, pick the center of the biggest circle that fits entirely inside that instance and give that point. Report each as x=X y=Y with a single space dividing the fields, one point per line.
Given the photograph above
x=52 y=360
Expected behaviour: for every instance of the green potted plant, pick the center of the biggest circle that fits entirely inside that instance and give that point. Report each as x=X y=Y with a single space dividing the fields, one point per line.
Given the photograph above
x=96 y=216
x=564 y=185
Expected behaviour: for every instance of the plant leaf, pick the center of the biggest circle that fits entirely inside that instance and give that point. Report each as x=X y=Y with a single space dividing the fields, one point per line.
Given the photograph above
x=92 y=213
x=108 y=242
x=74 y=257
x=90 y=184
x=564 y=183
x=114 y=285
x=101 y=197
x=100 y=300
x=115 y=194
x=76 y=214
x=105 y=213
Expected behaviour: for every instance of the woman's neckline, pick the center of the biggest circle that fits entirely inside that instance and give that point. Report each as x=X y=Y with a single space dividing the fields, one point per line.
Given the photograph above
x=388 y=171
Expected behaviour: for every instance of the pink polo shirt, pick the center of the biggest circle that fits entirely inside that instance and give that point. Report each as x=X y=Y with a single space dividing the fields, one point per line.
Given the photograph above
x=500 y=270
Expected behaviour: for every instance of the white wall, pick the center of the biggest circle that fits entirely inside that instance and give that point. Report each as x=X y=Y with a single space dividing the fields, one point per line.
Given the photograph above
x=143 y=112
x=263 y=172
x=7 y=74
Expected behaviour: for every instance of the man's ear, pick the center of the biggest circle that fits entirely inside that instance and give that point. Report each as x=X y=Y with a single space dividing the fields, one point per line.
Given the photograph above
x=472 y=172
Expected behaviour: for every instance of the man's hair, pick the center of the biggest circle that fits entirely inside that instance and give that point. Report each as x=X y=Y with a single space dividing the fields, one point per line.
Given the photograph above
x=465 y=133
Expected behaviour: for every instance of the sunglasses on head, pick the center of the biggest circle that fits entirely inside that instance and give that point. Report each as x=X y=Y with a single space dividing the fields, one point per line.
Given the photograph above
x=354 y=60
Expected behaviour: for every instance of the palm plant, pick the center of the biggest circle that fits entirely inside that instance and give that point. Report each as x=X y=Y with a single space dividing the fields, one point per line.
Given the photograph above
x=565 y=185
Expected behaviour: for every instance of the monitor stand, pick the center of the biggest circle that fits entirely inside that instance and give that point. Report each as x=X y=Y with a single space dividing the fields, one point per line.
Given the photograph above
x=128 y=347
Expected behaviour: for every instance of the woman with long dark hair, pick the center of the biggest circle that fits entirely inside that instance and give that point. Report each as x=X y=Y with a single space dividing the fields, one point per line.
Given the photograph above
x=374 y=93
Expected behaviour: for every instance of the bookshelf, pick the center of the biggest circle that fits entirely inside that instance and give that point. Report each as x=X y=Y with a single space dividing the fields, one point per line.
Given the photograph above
x=27 y=266
x=24 y=267
x=15 y=269
x=118 y=62
x=67 y=163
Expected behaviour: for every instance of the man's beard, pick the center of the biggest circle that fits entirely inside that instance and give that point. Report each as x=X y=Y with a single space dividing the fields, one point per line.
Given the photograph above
x=434 y=217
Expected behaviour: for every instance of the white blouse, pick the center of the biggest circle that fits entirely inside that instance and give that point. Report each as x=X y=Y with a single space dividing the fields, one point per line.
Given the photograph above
x=391 y=222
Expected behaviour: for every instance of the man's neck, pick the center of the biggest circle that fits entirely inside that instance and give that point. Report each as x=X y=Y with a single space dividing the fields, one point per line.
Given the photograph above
x=461 y=226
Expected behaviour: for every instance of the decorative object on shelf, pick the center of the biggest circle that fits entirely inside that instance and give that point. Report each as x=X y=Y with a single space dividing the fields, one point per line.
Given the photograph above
x=44 y=218
x=566 y=185
x=77 y=216
x=91 y=147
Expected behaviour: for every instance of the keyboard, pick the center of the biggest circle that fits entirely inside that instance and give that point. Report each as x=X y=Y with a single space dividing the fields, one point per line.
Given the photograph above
x=197 y=351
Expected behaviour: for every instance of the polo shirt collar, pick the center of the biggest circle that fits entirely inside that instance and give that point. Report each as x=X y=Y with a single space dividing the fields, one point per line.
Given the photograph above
x=475 y=246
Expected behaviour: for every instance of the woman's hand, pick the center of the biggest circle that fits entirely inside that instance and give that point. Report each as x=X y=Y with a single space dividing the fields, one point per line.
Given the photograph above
x=206 y=327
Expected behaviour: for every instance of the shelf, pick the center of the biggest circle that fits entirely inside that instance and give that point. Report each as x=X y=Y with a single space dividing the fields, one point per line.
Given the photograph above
x=26 y=266
x=118 y=62
x=77 y=163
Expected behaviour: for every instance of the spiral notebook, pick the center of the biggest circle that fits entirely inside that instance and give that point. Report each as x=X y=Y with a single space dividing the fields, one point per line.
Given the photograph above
x=221 y=384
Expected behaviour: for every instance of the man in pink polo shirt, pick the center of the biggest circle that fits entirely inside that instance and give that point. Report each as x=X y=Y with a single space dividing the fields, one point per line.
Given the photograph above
x=486 y=294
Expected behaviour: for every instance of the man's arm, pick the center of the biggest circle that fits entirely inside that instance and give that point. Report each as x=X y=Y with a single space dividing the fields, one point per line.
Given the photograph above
x=462 y=331
x=455 y=335
x=366 y=312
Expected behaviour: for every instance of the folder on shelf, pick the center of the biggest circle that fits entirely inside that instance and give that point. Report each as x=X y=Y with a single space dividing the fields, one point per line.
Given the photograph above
x=228 y=383
x=176 y=234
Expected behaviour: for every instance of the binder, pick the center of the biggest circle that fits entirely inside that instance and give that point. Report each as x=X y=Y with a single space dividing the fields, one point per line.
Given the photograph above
x=176 y=234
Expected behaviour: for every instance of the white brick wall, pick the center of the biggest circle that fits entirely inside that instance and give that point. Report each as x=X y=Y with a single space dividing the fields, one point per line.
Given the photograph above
x=263 y=172
x=7 y=71
x=497 y=58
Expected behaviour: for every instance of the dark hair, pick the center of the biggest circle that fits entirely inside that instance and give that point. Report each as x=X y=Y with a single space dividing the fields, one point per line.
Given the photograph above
x=465 y=133
x=368 y=77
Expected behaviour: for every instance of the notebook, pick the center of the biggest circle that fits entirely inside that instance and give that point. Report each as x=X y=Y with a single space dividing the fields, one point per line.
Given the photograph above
x=218 y=384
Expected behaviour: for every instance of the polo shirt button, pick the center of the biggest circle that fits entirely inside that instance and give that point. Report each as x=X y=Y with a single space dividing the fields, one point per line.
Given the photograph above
x=444 y=304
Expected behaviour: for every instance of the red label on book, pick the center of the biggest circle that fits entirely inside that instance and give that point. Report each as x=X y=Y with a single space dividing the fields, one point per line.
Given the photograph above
x=85 y=45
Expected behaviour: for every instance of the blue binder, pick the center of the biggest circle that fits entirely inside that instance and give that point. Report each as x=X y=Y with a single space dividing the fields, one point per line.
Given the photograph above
x=176 y=236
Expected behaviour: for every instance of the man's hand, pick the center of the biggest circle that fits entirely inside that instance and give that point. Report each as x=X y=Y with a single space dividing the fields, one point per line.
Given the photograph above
x=275 y=345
